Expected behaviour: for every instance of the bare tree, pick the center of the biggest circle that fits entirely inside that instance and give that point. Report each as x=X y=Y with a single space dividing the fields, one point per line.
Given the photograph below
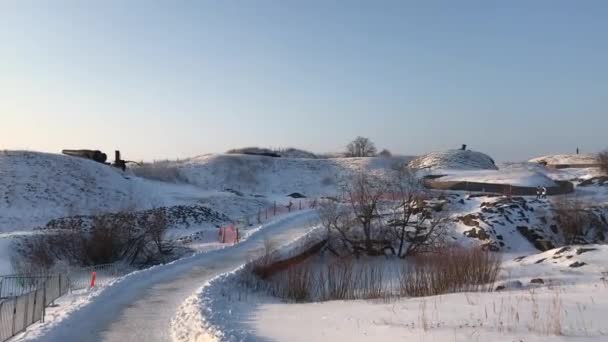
x=602 y=158
x=416 y=222
x=364 y=194
x=337 y=219
x=361 y=147
x=385 y=153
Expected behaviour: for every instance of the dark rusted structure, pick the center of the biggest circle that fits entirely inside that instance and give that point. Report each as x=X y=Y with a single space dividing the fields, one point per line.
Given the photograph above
x=95 y=155
x=99 y=157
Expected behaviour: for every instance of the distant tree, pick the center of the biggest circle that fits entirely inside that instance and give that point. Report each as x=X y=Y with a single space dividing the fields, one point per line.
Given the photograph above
x=361 y=147
x=385 y=153
x=602 y=158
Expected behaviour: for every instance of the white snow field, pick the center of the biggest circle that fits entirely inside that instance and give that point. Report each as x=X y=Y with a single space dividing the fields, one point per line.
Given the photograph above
x=546 y=299
x=567 y=159
x=140 y=306
x=512 y=177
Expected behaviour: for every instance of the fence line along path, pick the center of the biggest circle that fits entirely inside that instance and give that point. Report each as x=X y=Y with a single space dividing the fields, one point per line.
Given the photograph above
x=25 y=299
x=141 y=307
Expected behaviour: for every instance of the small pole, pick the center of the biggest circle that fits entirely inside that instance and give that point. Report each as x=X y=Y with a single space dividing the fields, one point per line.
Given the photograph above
x=275 y=208
x=93 y=276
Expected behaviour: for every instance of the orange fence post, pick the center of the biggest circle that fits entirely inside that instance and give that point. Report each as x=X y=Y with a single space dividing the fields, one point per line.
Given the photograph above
x=93 y=276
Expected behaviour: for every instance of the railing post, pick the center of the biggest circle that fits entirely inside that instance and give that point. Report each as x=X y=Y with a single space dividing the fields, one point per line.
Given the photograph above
x=14 y=316
x=25 y=311
x=43 y=301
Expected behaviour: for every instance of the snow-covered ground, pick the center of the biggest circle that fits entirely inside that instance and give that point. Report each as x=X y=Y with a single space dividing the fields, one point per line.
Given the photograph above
x=194 y=299
x=566 y=159
x=559 y=295
x=141 y=305
x=512 y=177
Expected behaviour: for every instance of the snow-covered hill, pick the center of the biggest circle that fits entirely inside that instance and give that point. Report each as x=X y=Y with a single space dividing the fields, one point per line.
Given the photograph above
x=277 y=176
x=454 y=160
x=512 y=177
x=566 y=159
x=36 y=187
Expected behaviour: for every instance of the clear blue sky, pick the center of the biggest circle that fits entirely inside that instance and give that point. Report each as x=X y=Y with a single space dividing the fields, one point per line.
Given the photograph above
x=167 y=79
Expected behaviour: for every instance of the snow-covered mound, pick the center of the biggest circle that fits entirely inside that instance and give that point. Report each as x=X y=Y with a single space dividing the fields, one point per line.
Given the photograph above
x=284 y=153
x=567 y=159
x=297 y=153
x=36 y=187
x=454 y=159
x=250 y=174
x=513 y=177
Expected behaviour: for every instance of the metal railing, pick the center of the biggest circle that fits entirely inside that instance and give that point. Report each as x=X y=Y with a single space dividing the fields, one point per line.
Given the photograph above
x=21 y=311
x=24 y=298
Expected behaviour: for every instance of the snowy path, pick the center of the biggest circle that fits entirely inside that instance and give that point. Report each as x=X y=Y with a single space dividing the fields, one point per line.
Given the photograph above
x=140 y=307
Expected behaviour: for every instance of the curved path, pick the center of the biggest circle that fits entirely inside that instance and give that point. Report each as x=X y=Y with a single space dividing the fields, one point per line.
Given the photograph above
x=140 y=307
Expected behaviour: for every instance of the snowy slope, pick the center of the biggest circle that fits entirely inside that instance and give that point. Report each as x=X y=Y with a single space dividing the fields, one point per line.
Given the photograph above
x=566 y=159
x=36 y=187
x=276 y=176
x=558 y=295
x=512 y=177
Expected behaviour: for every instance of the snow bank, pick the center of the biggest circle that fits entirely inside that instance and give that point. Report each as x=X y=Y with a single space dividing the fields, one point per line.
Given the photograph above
x=454 y=159
x=512 y=177
x=213 y=313
x=566 y=159
x=562 y=314
x=540 y=309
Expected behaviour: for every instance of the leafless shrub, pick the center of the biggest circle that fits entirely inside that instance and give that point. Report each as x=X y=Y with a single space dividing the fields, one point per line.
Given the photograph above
x=371 y=283
x=337 y=281
x=108 y=239
x=296 y=283
x=448 y=271
x=453 y=270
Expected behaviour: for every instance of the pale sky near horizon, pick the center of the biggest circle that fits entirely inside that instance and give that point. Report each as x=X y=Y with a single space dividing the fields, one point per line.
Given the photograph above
x=169 y=79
